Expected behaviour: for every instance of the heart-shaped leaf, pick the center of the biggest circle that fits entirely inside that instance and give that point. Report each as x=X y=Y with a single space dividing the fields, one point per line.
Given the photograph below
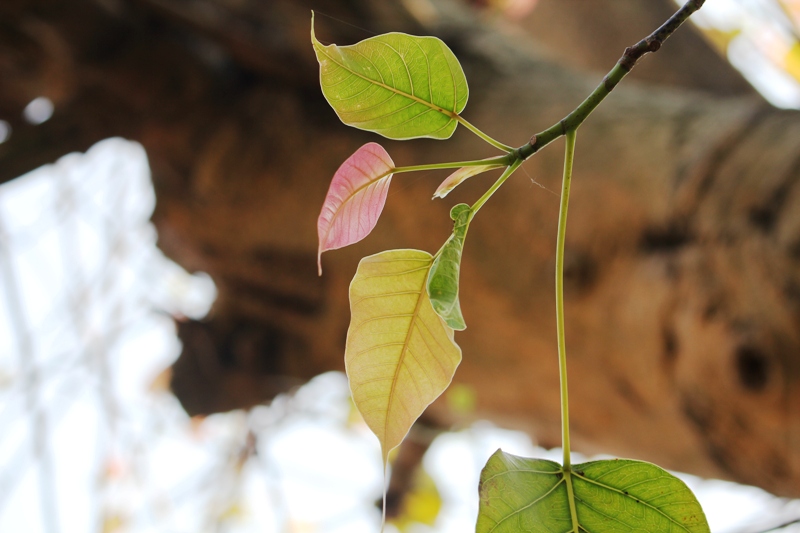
x=519 y=494
x=355 y=199
x=459 y=176
x=400 y=355
x=443 y=277
x=397 y=85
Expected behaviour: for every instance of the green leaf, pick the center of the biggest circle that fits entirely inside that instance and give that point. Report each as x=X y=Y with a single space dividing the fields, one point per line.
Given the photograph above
x=400 y=355
x=397 y=85
x=443 y=278
x=618 y=495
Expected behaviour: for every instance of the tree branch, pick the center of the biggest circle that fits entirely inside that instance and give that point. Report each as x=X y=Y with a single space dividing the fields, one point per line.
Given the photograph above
x=631 y=56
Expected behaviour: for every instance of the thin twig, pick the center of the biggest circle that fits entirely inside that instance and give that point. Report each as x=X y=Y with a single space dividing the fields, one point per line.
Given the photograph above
x=629 y=58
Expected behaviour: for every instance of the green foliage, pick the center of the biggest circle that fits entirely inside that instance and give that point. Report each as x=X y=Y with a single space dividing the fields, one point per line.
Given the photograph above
x=519 y=494
x=400 y=355
x=397 y=85
x=443 y=277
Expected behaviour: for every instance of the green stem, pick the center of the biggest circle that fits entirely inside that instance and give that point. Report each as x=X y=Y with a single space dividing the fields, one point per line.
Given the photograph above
x=568 y=127
x=632 y=54
x=569 y=156
x=499 y=161
x=572 y=121
x=494 y=142
x=488 y=194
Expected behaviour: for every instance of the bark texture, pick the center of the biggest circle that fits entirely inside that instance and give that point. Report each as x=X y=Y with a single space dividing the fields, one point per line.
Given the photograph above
x=683 y=287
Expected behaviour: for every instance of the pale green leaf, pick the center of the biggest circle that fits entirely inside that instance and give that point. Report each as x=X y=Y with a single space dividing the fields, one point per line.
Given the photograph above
x=400 y=356
x=618 y=495
x=397 y=85
x=460 y=176
x=443 y=278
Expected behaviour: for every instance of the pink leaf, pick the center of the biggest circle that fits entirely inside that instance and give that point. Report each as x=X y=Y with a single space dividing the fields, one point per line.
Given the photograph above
x=459 y=176
x=355 y=199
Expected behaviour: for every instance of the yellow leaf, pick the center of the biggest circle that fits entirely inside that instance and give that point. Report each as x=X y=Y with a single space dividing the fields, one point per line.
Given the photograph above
x=462 y=399
x=232 y=513
x=400 y=355
x=113 y=522
x=792 y=61
x=421 y=505
x=720 y=39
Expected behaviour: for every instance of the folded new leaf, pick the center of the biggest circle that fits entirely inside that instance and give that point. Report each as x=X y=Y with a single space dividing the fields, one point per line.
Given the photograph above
x=443 y=278
x=397 y=85
x=355 y=199
x=459 y=176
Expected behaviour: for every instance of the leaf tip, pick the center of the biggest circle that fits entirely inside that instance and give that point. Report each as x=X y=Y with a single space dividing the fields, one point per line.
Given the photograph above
x=441 y=191
x=313 y=35
x=319 y=263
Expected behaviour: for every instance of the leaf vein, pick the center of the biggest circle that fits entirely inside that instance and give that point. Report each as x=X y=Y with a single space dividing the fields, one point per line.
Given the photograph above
x=401 y=359
x=646 y=504
x=451 y=114
x=534 y=502
x=527 y=471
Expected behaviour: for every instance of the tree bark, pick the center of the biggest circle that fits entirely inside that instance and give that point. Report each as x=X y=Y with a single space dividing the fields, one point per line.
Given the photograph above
x=683 y=288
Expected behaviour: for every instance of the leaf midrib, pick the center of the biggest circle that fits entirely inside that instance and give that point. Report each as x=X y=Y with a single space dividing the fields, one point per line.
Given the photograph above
x=349 y=197
x=451 y=114
x=637 y=500
x=403 y=351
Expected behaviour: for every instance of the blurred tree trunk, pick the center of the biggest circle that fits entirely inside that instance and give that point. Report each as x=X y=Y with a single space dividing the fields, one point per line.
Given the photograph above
x=592 y=35
x=684 y=241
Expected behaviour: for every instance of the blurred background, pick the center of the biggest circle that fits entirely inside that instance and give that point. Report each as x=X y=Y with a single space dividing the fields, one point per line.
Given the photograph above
x=122 y=124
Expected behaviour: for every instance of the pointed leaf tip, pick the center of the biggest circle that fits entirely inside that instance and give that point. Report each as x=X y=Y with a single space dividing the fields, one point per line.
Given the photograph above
x=397 y=85
x=355 y=199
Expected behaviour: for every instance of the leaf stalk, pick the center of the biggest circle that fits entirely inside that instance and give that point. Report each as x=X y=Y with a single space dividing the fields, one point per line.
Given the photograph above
x=494 y=142
x=569 y=156
x=502 y=160
x=503 y=177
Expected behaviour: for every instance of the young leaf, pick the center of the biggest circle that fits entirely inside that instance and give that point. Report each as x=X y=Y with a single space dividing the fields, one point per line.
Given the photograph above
x=519 y=494
x=355 y=199
x=397 y=85
x=400 y=356
x=459 y=176
x=443 y=278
